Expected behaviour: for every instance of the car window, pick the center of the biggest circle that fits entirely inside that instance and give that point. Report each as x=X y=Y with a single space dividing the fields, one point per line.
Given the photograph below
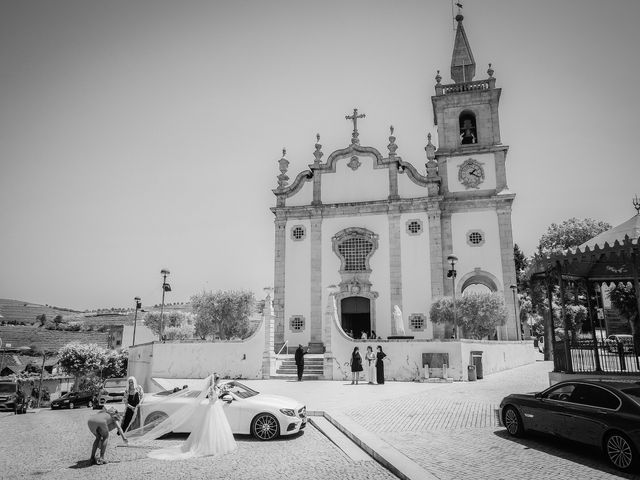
x=561 y=392
x=241 y=391
x=594 y=396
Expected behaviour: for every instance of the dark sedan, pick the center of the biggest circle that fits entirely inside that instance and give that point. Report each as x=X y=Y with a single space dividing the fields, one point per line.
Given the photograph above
x=602 y=413
x=73 y=400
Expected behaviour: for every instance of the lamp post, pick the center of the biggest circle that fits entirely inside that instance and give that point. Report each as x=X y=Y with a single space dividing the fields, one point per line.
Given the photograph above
x=514 y=289
x=135 y=317
x=165 y=288
x=452 y=275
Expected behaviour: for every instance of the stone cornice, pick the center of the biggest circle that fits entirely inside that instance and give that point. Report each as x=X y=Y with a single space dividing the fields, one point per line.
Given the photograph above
x=463 y=151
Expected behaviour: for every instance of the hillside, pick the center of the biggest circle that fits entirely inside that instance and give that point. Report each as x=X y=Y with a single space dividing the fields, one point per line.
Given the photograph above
x=21 y=311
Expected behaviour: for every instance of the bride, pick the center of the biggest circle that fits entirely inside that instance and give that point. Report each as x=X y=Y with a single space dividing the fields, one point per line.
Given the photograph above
x=211 y=436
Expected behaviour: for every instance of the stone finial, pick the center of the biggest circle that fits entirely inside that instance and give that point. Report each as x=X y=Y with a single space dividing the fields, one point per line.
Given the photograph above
x=318 y=152
x=430 y=148
x=438 y=77
x=392 y=147
x=636 y=204
x=284 y=166
x=490 y=71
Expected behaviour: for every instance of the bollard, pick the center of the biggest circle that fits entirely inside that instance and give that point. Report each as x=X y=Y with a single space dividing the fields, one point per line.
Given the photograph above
x=472 y=373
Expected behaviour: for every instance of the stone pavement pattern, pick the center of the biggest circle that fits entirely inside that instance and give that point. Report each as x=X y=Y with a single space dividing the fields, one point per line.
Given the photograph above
x=56 y=445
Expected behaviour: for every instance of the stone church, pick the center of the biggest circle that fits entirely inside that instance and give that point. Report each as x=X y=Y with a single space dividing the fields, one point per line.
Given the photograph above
x=379 y=228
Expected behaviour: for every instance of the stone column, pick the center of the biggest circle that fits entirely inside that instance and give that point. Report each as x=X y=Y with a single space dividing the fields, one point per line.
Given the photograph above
x=435 y=259
x=395 y=264
x=510 y=330
x=268 y=355
x=330 y=315
x=315 y=322
x=501 y=171
x=393 y=182
x=317 y=189
x=279 y=279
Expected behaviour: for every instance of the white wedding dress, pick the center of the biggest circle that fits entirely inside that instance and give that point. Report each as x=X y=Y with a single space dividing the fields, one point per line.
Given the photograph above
x=211 y=436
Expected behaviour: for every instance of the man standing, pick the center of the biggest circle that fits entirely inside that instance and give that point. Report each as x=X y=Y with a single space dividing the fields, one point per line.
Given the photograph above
x=300 y=353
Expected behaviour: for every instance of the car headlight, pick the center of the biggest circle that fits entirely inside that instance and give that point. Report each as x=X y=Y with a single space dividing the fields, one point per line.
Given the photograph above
x=66 y=401
x=288 y=412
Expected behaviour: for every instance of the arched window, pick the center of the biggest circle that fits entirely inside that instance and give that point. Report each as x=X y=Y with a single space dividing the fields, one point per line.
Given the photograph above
x=468 y=132
x=355 y=246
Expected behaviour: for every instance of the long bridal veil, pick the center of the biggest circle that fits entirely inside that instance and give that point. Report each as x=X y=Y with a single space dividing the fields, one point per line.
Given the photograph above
x=161 y=426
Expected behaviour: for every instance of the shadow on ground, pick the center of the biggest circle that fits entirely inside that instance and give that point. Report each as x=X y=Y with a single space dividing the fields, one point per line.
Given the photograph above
x=573 y=452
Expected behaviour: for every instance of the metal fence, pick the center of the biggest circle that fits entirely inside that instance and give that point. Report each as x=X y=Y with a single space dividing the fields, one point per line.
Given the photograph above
x=602 y=356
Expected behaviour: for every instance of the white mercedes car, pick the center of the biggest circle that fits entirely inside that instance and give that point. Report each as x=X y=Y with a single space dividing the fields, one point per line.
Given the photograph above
x=249 y=412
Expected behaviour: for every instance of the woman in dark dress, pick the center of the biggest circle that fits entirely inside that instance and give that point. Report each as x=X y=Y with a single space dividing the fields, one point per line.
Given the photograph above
x=132 y=398
x=379 y=365
x=356 y=366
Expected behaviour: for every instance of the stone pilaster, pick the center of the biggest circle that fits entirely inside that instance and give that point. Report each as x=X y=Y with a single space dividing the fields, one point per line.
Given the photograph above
x=317 y=189
x=395 y=265
x=279 y=279
x=268 y=355
x=444 y=331
x=315 y=321
x=393 y=182
x=510 y=330
x=330 y=315
x=435 y=259
x=501 y=171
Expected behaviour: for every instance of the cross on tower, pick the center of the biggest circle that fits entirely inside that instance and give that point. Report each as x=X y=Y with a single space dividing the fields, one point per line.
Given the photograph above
x=354 y=118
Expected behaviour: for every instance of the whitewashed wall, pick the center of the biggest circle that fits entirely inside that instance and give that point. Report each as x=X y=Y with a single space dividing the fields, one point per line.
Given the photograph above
x=143 y=334
x=197 y=359
x=488 y=164
x=297 y=296
x=487 y=256
x=416 y=276
x=339 y=187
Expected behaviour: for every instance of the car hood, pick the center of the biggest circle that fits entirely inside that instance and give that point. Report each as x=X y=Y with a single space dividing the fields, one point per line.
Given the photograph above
x=276 y=401
x=515 y=396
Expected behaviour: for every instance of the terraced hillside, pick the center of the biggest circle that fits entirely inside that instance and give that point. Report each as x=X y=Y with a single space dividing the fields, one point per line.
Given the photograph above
x=26 y=336
x=21 y=311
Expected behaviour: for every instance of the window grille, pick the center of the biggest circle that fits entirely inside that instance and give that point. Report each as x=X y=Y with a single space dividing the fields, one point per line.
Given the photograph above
x=298 y=232
x=354 y=251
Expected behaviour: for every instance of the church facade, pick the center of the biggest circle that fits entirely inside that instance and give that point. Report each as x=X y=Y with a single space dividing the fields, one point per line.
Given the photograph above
x=376 y=231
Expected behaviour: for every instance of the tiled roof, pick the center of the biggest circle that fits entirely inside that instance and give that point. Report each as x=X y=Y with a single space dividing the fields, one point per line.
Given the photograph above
x=23 y=336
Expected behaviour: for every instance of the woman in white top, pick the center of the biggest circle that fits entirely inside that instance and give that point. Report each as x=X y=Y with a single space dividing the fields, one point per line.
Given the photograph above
x=370 y=359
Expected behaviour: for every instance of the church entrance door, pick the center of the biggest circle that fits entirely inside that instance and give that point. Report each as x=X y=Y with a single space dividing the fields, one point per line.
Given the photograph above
x=356 y=316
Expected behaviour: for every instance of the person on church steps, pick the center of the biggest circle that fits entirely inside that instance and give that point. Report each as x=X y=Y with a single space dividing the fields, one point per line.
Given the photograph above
x=380 y=356
x=370 y=357
x=299 y=356
x=356 y=365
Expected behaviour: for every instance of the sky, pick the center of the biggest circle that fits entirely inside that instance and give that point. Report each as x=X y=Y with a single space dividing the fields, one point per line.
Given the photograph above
x=137 y=135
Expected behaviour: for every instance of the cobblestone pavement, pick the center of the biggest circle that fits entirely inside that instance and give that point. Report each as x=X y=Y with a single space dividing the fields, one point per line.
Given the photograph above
x=56 y=445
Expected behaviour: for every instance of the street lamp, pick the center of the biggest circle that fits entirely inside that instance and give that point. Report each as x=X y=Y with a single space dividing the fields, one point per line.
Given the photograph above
x=165 y=288
x=514 y=289
x=135 y=318
x=452 y=275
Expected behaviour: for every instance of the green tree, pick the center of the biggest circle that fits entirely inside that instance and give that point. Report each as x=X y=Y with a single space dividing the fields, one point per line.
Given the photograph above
x=113 y=364
x=171 y=319
x=477 y=314
x=225 y=313
x=80 y=359
x=522 y=263
x=570 y=234
x=623 y=298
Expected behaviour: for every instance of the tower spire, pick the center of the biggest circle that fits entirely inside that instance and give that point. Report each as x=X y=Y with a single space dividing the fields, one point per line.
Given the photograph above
x=463 y=66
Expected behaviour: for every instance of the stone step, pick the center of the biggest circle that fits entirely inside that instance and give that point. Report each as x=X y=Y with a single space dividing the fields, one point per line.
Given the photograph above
x=295 y=377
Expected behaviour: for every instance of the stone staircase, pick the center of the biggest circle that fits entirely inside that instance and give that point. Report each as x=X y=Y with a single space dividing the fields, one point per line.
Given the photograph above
x=313 y=367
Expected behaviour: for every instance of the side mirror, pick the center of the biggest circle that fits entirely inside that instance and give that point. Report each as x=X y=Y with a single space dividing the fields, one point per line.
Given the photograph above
x=538 y=395
x=226 y=398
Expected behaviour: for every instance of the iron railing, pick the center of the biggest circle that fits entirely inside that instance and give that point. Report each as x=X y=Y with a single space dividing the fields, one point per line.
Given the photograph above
x=601 y=356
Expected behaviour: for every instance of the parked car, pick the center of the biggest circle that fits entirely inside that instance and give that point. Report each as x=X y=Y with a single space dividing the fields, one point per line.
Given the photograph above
x=248 y=411
x=613 y=341
x=112 y=390
x=73 y=400
x=602 y=413
x=12 y=398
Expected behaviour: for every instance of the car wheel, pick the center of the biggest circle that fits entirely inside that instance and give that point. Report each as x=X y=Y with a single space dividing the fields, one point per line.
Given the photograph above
x=72 y=405
x=620 y=451
x=513 y=422
x=265 y=427
x=155 y=416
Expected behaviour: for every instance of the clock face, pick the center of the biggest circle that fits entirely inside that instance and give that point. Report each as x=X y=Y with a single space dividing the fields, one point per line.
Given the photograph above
x=471 y=173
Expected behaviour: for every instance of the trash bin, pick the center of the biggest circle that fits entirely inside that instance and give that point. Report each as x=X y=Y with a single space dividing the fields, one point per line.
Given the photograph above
x=472 y=373
x=476 y=360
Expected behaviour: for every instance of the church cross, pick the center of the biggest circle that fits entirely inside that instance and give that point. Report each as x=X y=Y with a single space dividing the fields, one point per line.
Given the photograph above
x=354 y=118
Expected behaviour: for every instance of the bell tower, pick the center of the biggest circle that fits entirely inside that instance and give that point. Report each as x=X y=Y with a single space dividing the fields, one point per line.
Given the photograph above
x=476 y=205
